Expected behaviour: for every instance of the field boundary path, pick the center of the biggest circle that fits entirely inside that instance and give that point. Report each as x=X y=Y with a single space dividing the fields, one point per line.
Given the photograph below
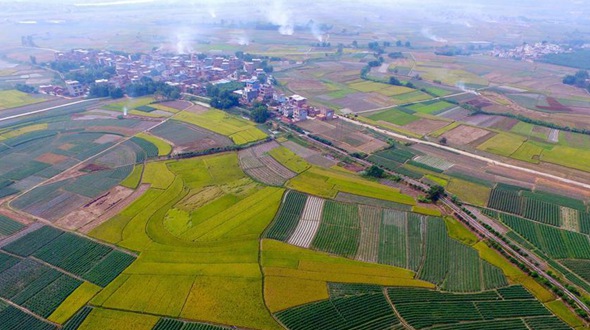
x=468 y=154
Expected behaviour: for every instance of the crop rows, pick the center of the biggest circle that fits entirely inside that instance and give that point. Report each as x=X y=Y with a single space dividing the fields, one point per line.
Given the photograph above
x=436 y=263
x=546 y=322
x=505 y=200
x=48 y=299
x=76 y=320
x=14 y=318
x=511 y=202
x=339 y=229
x=493 y=277
x=36 y=287
x=78 y=255
x=151 y=151
x=172 y=324
x=415 y=239
x=73 y=253
x=392 y=242
x=288 y=216
x=423 y=308
x=514 y=324
x=370 y=223
x=367 y=311
x=108 y=268
x=9 y=226
x=262 y=167
x=464 y=269
x=437 y=163
x=33 y=241
x=558 y=243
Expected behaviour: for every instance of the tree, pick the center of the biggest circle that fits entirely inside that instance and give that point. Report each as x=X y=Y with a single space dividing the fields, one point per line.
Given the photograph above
x=355 y=44
x=375 y=172
x=398 y=43
x=408 y=44
x=394 y=81
x=435 y=193
x=443 y=140
x=260 y=113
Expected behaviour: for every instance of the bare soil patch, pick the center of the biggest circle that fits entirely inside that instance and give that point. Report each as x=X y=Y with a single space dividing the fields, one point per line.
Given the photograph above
x=51 y=158
x=425 y=126
x=463 y=134
x=95 y=209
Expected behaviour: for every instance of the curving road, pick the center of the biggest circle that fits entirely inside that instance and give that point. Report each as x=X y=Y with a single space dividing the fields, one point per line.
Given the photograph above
x=468 y=154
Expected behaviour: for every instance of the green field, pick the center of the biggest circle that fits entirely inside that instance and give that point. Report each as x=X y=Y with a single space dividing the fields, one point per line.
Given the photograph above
x=14 y=98
x=502 y=144
x=394 y=116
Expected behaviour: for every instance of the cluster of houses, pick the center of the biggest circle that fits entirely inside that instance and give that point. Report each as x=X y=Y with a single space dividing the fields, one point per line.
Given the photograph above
x=190 y=72
x=291 y=109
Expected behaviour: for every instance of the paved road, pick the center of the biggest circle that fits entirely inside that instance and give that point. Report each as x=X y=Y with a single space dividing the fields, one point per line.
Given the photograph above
x=26 y=111
x=468 y=154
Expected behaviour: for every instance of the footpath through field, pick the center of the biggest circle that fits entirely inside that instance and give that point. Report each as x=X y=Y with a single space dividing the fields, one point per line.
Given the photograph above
x=468 y=154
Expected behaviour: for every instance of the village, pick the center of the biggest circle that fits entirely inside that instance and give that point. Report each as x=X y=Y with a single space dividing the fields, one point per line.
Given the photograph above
x=191 y=74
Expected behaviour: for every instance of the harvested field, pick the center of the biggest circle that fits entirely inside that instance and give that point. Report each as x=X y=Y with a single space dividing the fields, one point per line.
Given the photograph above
x=178 y=104
x=343 y=135
x=310 y=222
x=107 y=138
x=95 y=209
x=425 y=126
x=570 y=219
x=51 y=158
x=463 y=134
x=187 y=137
x=262 y=167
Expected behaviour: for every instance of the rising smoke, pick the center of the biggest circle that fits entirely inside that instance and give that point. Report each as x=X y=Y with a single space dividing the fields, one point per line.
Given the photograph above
x=428 y=34
x=278 y=14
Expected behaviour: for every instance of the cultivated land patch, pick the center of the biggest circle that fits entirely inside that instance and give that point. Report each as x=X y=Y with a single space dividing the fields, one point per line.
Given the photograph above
x=463 y=135
x=258 y=163
x=385 y=236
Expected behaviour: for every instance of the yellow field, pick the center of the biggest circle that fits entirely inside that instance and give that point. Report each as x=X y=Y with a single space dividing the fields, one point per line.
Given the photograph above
x=289 y=159
x=307 y=273
x=239 y=130
x=74 y=302
x=469 y=192
x=9 y=134
x=426 y=211
x=327 y=183
x=502 y=144
x=14 y=98
x=163 y=147
x=100 y=319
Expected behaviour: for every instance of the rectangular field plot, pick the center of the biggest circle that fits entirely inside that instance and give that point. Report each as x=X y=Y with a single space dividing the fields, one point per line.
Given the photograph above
x=78 y=255
x=362 y=311
x=558 y=243
x=394 y=116
x=9 y=226
x=37 y=287
x=426 y=308
x=288 y=217
x=339 y=230
x=434 y=162
x=309 y=223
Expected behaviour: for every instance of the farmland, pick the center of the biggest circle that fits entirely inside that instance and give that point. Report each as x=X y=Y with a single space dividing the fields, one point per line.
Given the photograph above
x=14 y=98
x=384 y=236
x=113 y=222
x=239 y=130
